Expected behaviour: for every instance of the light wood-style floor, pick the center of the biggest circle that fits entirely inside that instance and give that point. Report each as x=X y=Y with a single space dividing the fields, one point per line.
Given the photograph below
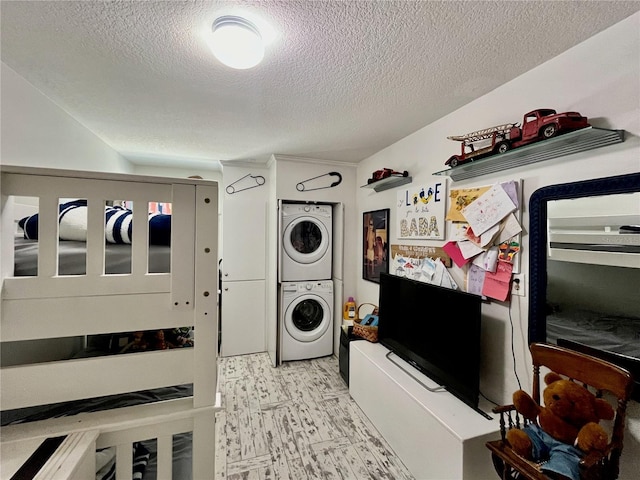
x=297 y=422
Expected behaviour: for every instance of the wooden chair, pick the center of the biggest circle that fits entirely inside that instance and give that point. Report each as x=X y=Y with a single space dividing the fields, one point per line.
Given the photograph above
x=603 y=378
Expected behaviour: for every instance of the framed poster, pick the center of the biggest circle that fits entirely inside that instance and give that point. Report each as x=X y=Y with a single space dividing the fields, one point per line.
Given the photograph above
x=375 y=244
x=421 y=212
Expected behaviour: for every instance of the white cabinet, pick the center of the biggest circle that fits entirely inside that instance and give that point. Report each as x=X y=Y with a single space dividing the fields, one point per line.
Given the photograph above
x=244 y=235
x=436 y=435
x=243 y=269
x=243 y=318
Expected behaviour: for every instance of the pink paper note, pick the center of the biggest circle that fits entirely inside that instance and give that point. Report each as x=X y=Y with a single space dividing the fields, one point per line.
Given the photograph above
x=451 y=248
x=496 y=285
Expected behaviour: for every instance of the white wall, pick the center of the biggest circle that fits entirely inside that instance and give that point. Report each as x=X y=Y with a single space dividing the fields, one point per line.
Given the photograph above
x=36 y=132
x=599 y=78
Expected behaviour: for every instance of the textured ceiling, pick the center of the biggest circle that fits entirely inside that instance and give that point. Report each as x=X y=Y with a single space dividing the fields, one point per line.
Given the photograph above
x=340 y=80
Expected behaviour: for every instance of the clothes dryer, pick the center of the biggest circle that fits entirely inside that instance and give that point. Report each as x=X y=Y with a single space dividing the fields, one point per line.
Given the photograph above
x=306 y=242
x=306 y=320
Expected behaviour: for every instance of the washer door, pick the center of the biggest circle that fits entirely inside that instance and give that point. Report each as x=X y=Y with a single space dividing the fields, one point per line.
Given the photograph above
x=307 y=317
x=305 y=240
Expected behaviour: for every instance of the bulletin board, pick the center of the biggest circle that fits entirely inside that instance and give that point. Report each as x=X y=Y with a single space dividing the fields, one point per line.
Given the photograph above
x=485 y=236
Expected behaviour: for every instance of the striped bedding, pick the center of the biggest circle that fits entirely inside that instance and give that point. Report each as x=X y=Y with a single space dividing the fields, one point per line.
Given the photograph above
x=72 y=220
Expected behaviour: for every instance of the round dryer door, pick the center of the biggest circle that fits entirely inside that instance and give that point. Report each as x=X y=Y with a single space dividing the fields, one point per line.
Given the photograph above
x=307 y=318
x=305 y=240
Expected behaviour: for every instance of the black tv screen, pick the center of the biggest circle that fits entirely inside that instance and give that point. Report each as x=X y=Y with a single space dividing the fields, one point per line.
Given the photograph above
x=436 y=330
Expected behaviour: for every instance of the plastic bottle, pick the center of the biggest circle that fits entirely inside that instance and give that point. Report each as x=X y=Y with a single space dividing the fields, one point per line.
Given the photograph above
x=349 y=312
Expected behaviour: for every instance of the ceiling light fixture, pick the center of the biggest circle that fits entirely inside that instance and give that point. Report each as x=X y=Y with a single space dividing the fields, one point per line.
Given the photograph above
x=236 y=42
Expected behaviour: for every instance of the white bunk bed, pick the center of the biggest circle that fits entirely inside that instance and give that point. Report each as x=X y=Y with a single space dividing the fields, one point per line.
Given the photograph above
x=48 y=305
x=610 y=239
x=593 y=270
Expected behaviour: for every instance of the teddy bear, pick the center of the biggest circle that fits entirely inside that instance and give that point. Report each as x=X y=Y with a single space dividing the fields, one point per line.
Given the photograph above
x=564 y=429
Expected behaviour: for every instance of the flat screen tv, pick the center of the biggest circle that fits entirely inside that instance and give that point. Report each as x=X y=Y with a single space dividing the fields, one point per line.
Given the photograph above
x=434 y=329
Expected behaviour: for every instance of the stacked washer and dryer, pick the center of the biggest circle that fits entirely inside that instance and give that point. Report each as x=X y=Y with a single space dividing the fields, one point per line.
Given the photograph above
x=306 y=300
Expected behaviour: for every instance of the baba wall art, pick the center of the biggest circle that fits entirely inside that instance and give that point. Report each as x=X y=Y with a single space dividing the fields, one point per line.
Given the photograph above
x=420 y=212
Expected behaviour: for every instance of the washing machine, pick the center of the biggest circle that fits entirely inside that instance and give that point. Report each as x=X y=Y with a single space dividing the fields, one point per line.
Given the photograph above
x=306 y=242
x=306 y=320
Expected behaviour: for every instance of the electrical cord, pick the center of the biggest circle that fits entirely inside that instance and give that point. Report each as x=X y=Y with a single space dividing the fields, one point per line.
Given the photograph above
x=513 y=353
x=488 y=399
x=513 y=356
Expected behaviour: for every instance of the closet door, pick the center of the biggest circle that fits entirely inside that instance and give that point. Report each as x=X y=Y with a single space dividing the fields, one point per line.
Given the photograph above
x=244 y=237
x=243 y=267
x=243 y=318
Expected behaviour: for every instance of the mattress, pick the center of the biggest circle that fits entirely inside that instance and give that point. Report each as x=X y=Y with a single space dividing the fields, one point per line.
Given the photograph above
x=72 y=258
x=606 y=332
x=57 y=410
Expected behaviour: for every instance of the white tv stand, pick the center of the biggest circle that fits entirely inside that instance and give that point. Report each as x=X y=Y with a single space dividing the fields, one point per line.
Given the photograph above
x=435 y=434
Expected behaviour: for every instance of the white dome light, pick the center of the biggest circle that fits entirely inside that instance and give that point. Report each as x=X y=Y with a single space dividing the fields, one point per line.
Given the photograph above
x=236 y=42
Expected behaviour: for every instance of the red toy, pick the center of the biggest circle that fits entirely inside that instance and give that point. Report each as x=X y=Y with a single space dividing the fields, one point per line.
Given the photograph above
x=536 y=125
x=384 y=173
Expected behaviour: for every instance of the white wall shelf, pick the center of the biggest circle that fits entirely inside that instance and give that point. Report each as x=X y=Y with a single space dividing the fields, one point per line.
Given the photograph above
x=387 y=183
x=562 y=145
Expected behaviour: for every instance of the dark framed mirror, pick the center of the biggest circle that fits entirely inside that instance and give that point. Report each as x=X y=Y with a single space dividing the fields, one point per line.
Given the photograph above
x=601 y=318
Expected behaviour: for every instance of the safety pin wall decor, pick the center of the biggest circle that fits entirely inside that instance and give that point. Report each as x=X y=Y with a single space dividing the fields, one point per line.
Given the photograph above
x=301 y=187
x=232 y=187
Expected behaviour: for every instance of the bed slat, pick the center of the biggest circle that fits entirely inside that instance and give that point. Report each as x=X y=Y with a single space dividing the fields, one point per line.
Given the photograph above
x=95 y=238
x=7 y=229
x=182 y=255
x=64 y=187
x=203 y=439
x=165 y=448
x=139 y=240
x=74 y=316
x=163 y=428
x=206 y=308
x=48 y=237
x=124 y=460
x=94 y=377
x=80 y=286
x=75 y=458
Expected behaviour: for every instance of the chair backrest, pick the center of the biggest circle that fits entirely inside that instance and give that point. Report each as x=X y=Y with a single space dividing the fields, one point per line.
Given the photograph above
x=602 y=376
